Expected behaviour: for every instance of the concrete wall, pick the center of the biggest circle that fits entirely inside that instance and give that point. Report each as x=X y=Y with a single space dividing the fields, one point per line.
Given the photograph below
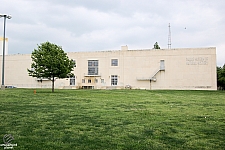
x=188 y=68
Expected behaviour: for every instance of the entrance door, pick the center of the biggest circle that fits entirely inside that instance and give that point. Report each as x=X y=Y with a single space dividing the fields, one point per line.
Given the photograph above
x=162 y=65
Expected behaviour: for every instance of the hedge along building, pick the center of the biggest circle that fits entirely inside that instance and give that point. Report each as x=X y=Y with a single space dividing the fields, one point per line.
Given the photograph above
x=186 y=68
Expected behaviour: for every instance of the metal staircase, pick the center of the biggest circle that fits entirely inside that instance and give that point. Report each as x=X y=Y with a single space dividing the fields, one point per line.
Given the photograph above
x=153 y=76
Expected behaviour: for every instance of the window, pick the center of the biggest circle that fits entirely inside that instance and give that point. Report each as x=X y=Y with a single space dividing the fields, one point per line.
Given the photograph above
x=75 y=65
x=83 y=80
x=102 y=81
x=114 y=79
x=72 y=80
x=114 y=62
x=89 y=80
x=92 y=67
x=96 y=80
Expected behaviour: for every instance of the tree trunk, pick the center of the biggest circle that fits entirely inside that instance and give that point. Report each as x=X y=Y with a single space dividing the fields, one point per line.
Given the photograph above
x=53 y=84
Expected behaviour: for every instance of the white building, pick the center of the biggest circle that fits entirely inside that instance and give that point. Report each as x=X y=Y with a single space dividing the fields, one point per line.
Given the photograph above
x=181 y=69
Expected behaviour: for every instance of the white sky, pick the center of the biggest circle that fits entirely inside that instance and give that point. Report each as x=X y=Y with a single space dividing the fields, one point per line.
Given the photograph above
x=95 y=25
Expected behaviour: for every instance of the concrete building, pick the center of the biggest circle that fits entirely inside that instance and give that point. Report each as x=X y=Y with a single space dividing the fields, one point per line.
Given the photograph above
x=181 y=69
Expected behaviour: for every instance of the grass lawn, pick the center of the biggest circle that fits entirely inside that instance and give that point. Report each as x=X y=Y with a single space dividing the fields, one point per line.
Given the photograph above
x=113 y=119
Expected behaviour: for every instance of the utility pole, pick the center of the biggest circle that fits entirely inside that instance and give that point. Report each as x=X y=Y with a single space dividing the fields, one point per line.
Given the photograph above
x=3 y=50
x=169 y=38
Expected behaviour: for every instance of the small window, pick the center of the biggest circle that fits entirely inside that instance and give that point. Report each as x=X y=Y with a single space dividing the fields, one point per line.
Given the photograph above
x=96 y=80
x=72 y=80
x=114 y=62
x=75 y=65
x=114 y=79
x=102 y=81
x=89 y=80
x=83 y=80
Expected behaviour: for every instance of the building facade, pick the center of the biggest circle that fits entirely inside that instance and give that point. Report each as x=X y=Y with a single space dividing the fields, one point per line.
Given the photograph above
x=180 y=69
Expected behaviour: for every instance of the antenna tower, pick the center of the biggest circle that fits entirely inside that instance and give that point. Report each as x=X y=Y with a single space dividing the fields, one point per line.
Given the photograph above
x=169 y=38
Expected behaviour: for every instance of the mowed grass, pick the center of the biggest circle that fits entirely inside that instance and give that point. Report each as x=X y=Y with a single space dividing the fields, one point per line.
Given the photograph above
x=113 y=119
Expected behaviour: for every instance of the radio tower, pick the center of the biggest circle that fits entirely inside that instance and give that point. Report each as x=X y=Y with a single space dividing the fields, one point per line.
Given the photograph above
x=169 y=38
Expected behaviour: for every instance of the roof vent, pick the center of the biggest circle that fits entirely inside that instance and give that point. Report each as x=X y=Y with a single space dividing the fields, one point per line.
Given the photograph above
x=124 y=48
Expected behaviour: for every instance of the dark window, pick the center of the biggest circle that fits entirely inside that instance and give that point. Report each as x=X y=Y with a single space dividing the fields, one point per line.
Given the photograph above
x=114 y=62
x=89 y=80
x=92 y=67
x=114 y=79
x=72 y=81
x=75 y=65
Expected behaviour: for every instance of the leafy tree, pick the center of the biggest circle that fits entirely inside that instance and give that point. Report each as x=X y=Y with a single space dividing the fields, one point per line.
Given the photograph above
x=51 y=62
x=221 y=77
x=156 y=46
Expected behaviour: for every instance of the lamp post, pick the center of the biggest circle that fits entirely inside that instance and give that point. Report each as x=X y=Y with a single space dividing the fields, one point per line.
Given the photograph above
x=3 y=50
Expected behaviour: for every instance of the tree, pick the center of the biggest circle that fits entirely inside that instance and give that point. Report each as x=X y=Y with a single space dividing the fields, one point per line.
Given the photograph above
x=156 y=46
x=221 y=77
x=51 y=62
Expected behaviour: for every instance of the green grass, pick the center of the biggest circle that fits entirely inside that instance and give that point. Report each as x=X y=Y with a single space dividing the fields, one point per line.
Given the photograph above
x=113 y=119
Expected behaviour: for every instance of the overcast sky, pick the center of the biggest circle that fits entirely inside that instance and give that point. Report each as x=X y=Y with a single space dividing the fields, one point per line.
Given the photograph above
x=96 y=25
